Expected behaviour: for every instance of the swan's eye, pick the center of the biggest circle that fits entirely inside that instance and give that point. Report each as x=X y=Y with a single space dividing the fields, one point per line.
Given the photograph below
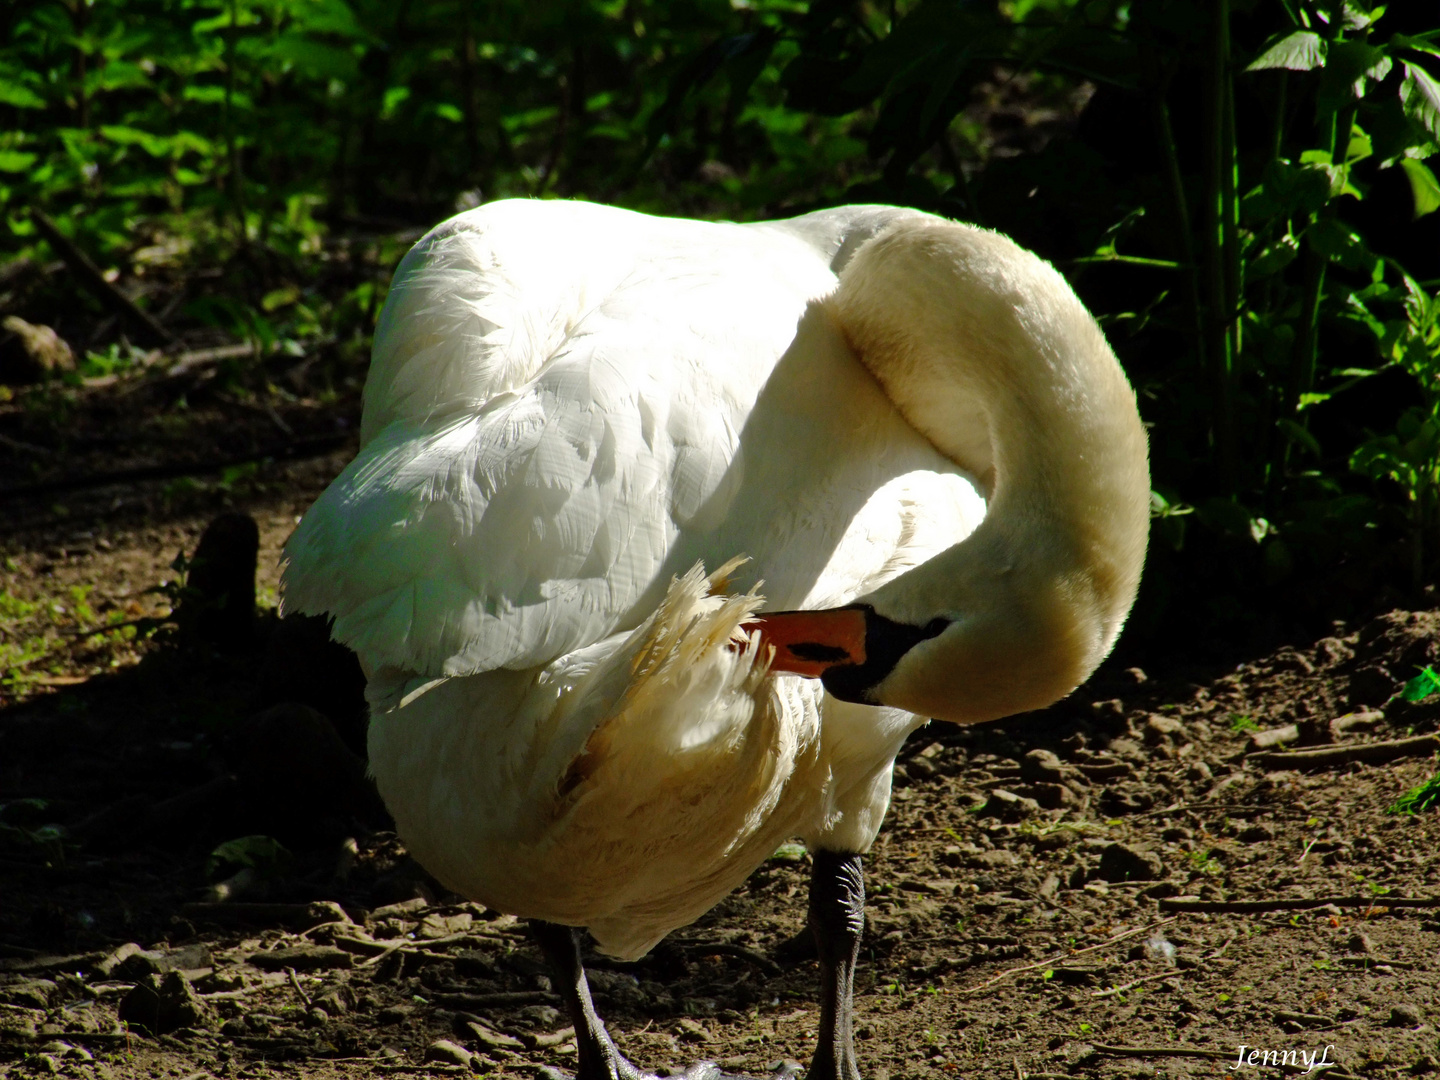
x=934 y=628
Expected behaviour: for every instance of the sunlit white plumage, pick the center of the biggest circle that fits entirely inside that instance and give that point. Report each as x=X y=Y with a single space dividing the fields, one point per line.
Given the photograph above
x=572 y=408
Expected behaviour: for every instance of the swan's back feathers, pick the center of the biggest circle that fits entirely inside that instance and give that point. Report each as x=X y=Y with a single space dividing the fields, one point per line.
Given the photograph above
x=542 y=414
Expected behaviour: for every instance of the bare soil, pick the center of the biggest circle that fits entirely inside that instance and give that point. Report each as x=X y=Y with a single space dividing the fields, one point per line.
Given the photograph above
x=1022 y=916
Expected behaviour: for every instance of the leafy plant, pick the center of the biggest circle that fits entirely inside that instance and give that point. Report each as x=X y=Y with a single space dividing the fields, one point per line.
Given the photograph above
x=264 y=854
x=1205 y=862
x=1426 y=683
x=1422 y=797
x=790 y=851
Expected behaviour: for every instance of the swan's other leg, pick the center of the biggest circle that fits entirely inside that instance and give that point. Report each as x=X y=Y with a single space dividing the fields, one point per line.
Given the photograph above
x=837 y=919
x=600 y=1059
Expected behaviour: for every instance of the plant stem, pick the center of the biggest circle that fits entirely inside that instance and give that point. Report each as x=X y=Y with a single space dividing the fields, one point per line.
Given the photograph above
x=1181 y=210
x=1230 y=213
x=236 y=182
x=79 y=17
x=1312 y=288
x=1220 y=276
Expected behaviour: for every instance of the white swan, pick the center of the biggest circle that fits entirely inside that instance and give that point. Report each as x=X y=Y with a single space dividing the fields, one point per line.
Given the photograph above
x=910 y=428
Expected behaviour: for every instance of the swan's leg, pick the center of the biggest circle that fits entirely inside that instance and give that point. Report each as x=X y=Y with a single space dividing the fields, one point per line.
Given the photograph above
x=599 y=1058
x=837 y=918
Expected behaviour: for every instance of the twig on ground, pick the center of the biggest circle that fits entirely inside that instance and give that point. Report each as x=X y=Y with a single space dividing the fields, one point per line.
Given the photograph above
x=295 y=982
x=89 y=275
x=268 y=982
x=1330 y=757
x=1375 y=961
x=198 y=358
x=1068 y=956
x=1133 y=983
x=1190 y=903
x=1264 y=740
x=405 y=945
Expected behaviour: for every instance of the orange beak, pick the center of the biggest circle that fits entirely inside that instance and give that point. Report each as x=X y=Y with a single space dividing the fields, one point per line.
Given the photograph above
x=809 y=642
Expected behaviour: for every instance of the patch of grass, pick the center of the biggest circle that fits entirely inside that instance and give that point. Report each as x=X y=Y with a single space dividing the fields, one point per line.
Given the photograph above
x=1205 y=862
x=1422 y=797
x=790 y=851
x=12 y=607
x=1240 y=724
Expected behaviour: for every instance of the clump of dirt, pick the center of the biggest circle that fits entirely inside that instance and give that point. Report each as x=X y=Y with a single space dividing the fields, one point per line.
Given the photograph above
x=1160 y=876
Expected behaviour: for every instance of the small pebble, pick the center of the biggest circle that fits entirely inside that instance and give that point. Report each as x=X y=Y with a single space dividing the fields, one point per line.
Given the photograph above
x=692 y=1030
x=1407 y=1016
x=448 y=1053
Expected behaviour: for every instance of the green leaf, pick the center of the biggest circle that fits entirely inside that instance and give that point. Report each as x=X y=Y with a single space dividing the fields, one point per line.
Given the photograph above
x=327 y=17
x=1422 y=685
x=1288 y=189
x=1297 y=434
x=790 y=851
x=19 y=97
x=315 y=58
x=16 y=160
x=1350 y=66
x=154 y=145
x=222 y=22
x=395 y=96
x=205 y=95
x=1274 y=257
x=1300 y=51
x=1335 y=241
x=1420 y=96
x=1423 y=187
x=1359 y=147
x=262 y=853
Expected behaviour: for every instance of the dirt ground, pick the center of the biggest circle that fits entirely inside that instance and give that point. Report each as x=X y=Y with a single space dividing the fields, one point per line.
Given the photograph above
x=1027 y=897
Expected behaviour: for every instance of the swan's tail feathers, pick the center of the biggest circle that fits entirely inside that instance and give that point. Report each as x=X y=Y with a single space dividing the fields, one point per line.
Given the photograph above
x=694 y=621
x=679 y=693
x=719 y=581
x=683 y=769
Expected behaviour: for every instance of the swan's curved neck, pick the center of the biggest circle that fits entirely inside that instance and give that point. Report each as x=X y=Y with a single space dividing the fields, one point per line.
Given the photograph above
x=985 y=349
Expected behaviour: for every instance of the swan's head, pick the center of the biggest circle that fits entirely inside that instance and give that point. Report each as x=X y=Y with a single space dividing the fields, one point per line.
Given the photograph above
x=966 y=664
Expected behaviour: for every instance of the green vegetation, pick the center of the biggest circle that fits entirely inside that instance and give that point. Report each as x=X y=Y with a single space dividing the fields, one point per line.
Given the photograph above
x=1240 y=724
x=1239 y=189
x=263 y=854
x=1418 y=799
x=1422 y=686
x=1204 y=862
